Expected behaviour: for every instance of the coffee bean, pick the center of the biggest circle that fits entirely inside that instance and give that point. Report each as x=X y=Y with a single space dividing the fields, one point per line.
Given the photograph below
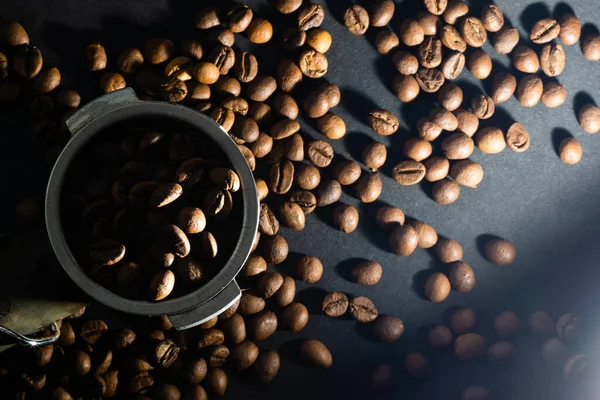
x=457 y=146
x=220 y=35
x=430 y=80
x=388 y=329
x=244 y=130
x=388 y=217
x=437 y=168
x=316 y=104
x=294 y=317
x=306 y=200
x=161 y=285
x=345 y=218
x=320 y=153
x=383 y=378
x=505 y=40
x=291 y=215
x=427 y=235
x=383 y=122
x=262 y=147
x=473 y=32
x=173 y=240
x=469 y=346
x=468 y=123
x=43 y=354
x=500 y=252
x=541 y=324
x=286 y=293
x=268 y=284
x=332 y=126
x=125 y=338
x=467 y=173
x=437 y=287
x=386 y=41
x=450 y=96
x=309 y=269
x=335 y=304
x=237 y=18
x=483 y=106
x=525 y=59
x=46 y=81
x=404 y=240
x=554 y=94
x=444 y=119
x=307 y=177
x=480 y=64
x=281 y=177
x=261 y=88
x=165 y=194
x=552 y=59
x=27 y=62
x=363 y=309
x=189 y=270
x=416 y=149
x=227 y=85
x=554 y=352
x=455 y=10
x=284 y=128
x=368 y=188
x=506 y=324
x=570 y=29
x=259 y=31
x=544 y=31
x=130 y=61
x=285 y=105
x=234 y=329
x=316 y=354
x=208 y=17
x=216 y=381
x=356 y=20
x=92 y=330
x=94 y=57
x=427 y=130
x=205 y=72
x=452 y=39
x=13 y=34
x=366 y=273
x=503 y=87
x=275 y=249
x=267 y=223
x=568 y=327
x=210 y=337
x=405 y=62
x=158 y=50
x=266 y=366
x=288 y=75
x=430 y=52
x=517 y=138
x=411 y=33
x=310 y=16
x=262 y=325
x=405 y=87
x=436 y=7
x=250 y=304
x=501 y=352
x=463 y=320
x=445 y=192
x=417 y=365
x=439 y=338
x=244 y=355
x=576 y=368
x=374 y=155
x=381 y=13
x=106 y=252
x=589 y=118
x=82 y=363
x=490 y=140
x=312 y=63
x=476 y=393
x=453 y=65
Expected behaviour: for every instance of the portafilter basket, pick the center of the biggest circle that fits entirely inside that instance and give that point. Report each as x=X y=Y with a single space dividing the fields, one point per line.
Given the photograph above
x=216 y=295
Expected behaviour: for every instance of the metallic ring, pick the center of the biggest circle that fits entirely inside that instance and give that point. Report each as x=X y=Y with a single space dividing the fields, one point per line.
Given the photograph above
x=32 y=342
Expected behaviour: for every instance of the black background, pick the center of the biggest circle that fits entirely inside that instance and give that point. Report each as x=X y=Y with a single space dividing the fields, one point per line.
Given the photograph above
x=548 y=209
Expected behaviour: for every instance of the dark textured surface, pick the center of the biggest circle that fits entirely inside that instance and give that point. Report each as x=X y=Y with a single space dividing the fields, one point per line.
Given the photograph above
x=548 y=209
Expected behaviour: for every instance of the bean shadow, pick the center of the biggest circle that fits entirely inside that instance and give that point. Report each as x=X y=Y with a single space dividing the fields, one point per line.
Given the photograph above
x=589 y=28
x=470 y=90
x=374 y=234
x=290 y=351
x=481 y=240
x=357 y=104
x=311 y=297
x=337 y=9
x=385 y=71
x=344 y=267
x=498 y=67
x=562 y=8
x=418 y=282
x=558 y=135
x=447 y=314
x=365 y=331
x=325 y=214
x=355 y=143
x=501 y=119
x=580 y=100
x=533 y=13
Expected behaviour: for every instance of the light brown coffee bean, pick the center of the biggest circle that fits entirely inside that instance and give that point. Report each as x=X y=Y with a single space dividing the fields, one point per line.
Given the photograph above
x=335 y=304
x=430 y=52
x=450 y=96
x=430 y=80
x=525 y=59
x=544 y=31
x=453 y=65
x=480 y=64
x=327 y=193
x=452 y=39
x=554 y=95
x=309 y=269
x=437 y=168
x=405 y=87
x=427 y=235
x=461 y=277
x=530 y=90
x=332 y=126
x=457 y=146
x=437 y=287
x=368 y=188
x=517 y=138
x=570 y=151
x=315 y=353
x=444 y=119
x=362 y=309
x=161 y=286
x=504 y=86
x=467 y=173
x=411 y=33
x=445 y=192
x=553 y=59
x=408 y=172
x=417 y=149
x=570 y=29
x=589 y=118
x=345 y=218
x=404 y=240
x=356 y=20
x=374 y=155
x=483 y=106
x=427 y=130
x=490 y=140
x=313 y=64
x=454 y=11
x=405 y=62
x=383 y=122
x=492 y=18
x=505 y=40
x=448 y=250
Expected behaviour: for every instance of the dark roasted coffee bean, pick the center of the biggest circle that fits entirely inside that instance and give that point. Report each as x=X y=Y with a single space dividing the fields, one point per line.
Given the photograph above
x=417 y=365
x=281 y=177
x=552 y=59
x=262 y=325
x=218 y=203
x=505 y=40
x=106 y=252
x=161 y=285
x=125 y=338
x=266 y=366
x=473 y=32
x=286 y=293
x=437 y=287
x=305 y=199
x=439 y=338
x=292 y=216
x=570 y=29
x=409 y=172
x=363 y=309
x=356 y=20
x=503 y=87
x=294 y=317
x=165 y=353
x=216 y=356
x=216 y=381
x=309 y=269
x=92 y=330
x=316 y=354
x=94 y=57
x=173 y=240
x=366 y=273
x=244 y=355
x=320 y=153
x=554 y=94
x=430 y=52
x=158 y=50
x=411 y=32
x=544 y=31
x=310 y=16
x=430 y=80
x=275 y=249
x=28 y=62
x=335 y=304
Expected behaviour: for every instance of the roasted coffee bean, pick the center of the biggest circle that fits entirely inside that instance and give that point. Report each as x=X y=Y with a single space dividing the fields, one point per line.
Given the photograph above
x=444 y=119
x=67 y=98
x=334 y=304
x=437 y=168
x=27 y=62
x=46 y=81
x=554 y=94
x=161 y=285
x=517 y=138
x=525 y=59
x=347 y=172
x=244 y=355
x=368 y=188
x=409 y=172
x=81 y=363
x=106 y=252
x=316 y=354
x=452 y=39
x=473 y=32
x=281 y=177
x=313 y=64
x=111 y=81
x=291 y=148
x=189 y=270
x=445 y=192
x=275 y=249
x=430 y=80
x=208 y=245
x=411 y=33
x=453 y=65
x=450 y=96
x=386 y=41
x=320 y=153
x=449 y=251
x=173 y=240
x=130 y=61
x=227 y=85
x=165 y=194
x=286 y=293
x=430 y=52
x=284 y=128
x=210 y=337
x=244 y=130
x=552 y=59
x=288 y=75
x=381 y=13
x=293 y=39
x=158 y=50
x=374 y=155
x=492 y=18
x=404 y=240
x=268 y=285
x=467 y=173
x=468 y=123
x=383 y=122
x=237 y=18
x=309 y=269
x=125 y=338
x=259 y=31
x=216 y=381
x=208 y=17
x=292 y=216
x=267 y=223
x=454 y=11
x=92 y=330
x=294 y=317
x=307 y=177
x=427 y=235
x=388 y=329
x=463 y=320
x=13 y=34
x=490 y=140
x=427 y=130
x=285 y=105
x=544 y=31
x=43 y=354
x=366 y=273
x=140 y=383
x=480 y=64
x=501 y=351
x=190 y=172
x=220 y=35
x=166 y=353
x=589 y=118
x=216 y=356
x=505 y=40
x=440 y=338
x=506 y=324
x=570 y=29
x=428 y=21
x=345 y=218
x=261 y=88
x=500 y=252
x=262 y=188
x=332 y=126
x=437 y=287
x=388 y=217
x=191 y=220
x=310 y=16
x=405 y=62
x=234 y=329
x=287 y=6
x=469 y=346
x=363 y=309
x=94 y=57
x=417 y=365
x=504 y=86
x=405 y=87
x=306 y=200
x=483 y=106
x=262 y=146
x=436 y=7
x=266 y=366
x=205 y=72
x=262 y=325
x=356 y=20
x=332 y=92
x=251 y=304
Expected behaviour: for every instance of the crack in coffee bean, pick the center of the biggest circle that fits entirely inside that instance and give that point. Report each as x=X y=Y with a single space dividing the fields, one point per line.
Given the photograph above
x=310 y=17
x=543 y=31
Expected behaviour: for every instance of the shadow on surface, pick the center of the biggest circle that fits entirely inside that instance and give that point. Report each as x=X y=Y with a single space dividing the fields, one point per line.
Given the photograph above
x=532 y=14
x=311 y=297
x=481 y=240
x=558 y=135
x=580 y=100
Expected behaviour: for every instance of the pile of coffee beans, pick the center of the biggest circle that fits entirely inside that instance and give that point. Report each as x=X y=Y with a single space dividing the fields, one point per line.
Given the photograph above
x=157 y=212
